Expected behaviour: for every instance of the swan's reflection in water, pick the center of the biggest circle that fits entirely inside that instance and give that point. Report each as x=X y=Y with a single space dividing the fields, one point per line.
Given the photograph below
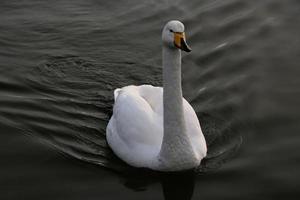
x=175 y=185
x=178 y=186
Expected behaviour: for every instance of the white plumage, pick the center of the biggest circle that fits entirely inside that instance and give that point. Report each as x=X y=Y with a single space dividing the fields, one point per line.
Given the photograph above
x=135 y=130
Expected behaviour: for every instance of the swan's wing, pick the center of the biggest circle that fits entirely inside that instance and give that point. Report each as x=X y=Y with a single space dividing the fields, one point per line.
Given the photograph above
x=135 y=126
x=194 y=130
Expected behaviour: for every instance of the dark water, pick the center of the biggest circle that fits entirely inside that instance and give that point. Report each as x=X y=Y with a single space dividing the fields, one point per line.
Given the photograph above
x=61 y=60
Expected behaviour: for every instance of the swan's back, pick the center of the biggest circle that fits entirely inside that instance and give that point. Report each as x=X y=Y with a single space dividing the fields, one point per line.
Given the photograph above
x=135 y=131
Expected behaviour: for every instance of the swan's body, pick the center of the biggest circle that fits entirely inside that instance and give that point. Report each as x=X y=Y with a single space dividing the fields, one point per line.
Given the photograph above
x=157 y=128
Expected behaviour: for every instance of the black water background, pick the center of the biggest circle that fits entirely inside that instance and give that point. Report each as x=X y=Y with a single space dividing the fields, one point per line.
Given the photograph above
x=60 y=61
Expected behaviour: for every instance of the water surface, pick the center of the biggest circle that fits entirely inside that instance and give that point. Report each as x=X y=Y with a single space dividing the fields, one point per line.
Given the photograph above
x=61 y=60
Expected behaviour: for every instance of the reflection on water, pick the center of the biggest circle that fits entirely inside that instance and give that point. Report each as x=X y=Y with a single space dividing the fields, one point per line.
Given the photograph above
x=178 y=186
x=60 y=62
x=175 y=185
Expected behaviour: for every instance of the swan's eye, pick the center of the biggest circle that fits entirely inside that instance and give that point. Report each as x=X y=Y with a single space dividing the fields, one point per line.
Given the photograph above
x=171 y=31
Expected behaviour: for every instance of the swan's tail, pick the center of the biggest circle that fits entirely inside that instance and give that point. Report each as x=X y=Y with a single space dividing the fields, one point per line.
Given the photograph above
x=116 y=93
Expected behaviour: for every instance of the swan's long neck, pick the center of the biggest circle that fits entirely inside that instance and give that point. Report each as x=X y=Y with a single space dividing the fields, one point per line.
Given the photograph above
x=176 y=150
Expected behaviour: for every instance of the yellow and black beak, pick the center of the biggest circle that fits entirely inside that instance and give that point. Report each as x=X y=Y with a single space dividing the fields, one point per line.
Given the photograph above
x=180 y=42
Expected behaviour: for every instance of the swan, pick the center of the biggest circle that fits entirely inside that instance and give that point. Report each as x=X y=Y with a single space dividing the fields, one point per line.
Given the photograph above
x=154 y=127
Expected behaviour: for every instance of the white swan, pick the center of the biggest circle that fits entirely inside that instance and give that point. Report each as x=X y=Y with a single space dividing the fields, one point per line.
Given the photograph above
x=154 y=127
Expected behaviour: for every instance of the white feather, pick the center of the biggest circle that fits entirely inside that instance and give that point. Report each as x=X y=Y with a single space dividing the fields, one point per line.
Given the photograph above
x=135 y=130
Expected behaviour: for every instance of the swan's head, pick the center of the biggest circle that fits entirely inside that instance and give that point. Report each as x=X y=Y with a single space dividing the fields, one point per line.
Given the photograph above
x=173 y=36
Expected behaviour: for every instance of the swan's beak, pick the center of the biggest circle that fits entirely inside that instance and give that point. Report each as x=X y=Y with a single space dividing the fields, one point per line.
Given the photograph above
x=180 y=42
